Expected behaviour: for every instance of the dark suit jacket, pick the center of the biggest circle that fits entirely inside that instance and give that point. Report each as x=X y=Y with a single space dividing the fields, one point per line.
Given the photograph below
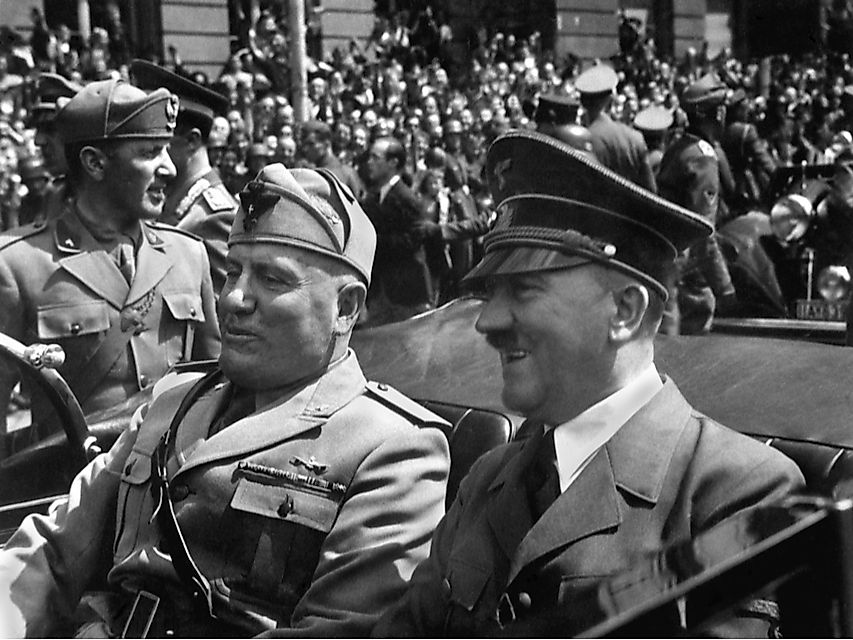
x=670 y=472
x=400 y=266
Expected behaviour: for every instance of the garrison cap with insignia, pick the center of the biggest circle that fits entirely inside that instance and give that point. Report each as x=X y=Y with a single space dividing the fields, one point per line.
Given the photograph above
x=599 y=79
x=707 y=91
x=115 y=110
x=49 y=88
x=654 y=118
x=193 y=97
x=306 y=208
x=558 y=209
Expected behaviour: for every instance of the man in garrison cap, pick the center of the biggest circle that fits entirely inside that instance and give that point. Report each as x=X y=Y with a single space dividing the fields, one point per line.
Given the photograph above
x=281 y=491
x=695 y=174
x=196 y=200
x=50 y=88
x=612 y=460
x=125 y=296
x=617 y=146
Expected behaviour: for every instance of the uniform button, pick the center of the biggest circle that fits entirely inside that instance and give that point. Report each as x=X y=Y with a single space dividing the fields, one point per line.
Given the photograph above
x=179 y=492
x=75 y=328
x=524 y=600
x=143 y=380
x=382 y=386
x=192 y=311
x=129 y=468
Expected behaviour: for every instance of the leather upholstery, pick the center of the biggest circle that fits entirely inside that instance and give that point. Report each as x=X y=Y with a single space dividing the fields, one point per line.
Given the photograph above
x=471 y=434
x=827 y=468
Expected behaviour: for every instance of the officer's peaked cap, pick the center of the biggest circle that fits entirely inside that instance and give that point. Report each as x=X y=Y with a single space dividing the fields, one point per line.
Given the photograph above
x=115 y=110
x=309 y=209
x=194 y=97
x=557 y=208
x=654 y=118
x=708 y=90
x=597 y=80
x=556 y=108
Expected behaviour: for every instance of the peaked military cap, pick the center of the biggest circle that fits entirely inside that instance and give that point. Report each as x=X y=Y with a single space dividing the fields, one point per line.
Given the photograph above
x=654 y=118
x=282 y=206
x=558 y=209
x=193 y=97
x=49 y=88
x=598 y=79
x=555 y=108
x=708 y=90
x=114 y=109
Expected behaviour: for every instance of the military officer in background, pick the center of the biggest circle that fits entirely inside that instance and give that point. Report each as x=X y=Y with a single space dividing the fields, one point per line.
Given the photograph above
x=557 y=115
x=50 y=88
x=693 y=173
x=617 y=146
x=298 y=497
x=125 y=296
x=653 y=123
x=196 y=200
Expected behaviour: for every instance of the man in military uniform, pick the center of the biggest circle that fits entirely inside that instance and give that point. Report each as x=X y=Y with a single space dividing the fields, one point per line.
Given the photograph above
x=615 y=462
x=50 y=88
x=125 y=297
x=556 y=115
x=196 y=200
x=653 y=123
x=288 y=492
x=616 y=145
x=693 y=173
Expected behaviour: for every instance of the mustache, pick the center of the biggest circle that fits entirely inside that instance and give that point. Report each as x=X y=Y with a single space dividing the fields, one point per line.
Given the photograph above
x=502 y=340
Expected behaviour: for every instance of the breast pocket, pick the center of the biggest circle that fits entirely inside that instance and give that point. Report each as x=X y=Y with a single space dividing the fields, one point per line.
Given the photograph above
x=71 y=320
x=183 y=313
x=135 y=503
x=276 y=532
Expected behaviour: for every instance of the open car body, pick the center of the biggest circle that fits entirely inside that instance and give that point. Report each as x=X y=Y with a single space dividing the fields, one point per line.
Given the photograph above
x=795 y=395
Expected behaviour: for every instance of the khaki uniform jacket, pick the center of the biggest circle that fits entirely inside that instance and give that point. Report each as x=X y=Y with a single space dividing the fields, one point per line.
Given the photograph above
x=278 y=550
x=207 y=210
x=668 y=473
x=622 y=149
x=58 y=285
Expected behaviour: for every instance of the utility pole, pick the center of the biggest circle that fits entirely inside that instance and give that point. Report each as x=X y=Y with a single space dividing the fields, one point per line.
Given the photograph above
x=298 y=59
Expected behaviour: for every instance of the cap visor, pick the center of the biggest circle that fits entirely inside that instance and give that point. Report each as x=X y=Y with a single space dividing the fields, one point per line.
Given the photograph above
x=521 y=260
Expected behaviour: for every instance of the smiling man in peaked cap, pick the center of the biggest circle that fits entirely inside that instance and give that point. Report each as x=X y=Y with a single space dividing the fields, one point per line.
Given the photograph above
x=615 y=461
x=303 y=496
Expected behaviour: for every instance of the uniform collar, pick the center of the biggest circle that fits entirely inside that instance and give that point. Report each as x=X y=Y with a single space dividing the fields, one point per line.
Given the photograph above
x=71 y=236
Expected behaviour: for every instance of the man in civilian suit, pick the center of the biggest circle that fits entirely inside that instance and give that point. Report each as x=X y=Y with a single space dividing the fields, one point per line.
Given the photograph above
x=401 y=286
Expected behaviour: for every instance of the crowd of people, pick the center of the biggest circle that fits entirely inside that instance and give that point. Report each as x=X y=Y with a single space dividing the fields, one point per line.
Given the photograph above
x=280 y=492
x=405 y=84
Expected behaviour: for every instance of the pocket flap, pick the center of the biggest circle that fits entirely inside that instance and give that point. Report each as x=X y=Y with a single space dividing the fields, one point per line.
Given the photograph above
x=137 y=469
x=184 y=305
x=467 y=582
x=287 y=503
x=74 y=319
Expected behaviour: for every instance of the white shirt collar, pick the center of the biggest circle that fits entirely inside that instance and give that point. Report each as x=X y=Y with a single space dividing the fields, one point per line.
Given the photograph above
x=385 y=188
x=577 y=440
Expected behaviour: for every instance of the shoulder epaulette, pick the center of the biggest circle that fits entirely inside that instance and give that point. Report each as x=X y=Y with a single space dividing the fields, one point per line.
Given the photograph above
x=218 y=199
x=403 y=405
x=11 y=236
x=162 y=226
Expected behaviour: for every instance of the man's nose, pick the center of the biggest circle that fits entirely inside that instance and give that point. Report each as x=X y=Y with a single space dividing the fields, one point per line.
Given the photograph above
x=166 y=169
x=495 y=314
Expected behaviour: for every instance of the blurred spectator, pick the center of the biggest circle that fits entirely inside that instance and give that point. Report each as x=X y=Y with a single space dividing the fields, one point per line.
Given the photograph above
x=316 y=147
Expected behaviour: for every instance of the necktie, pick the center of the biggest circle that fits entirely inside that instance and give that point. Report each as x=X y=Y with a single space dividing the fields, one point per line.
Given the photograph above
x=126 y=261
x=543 y=484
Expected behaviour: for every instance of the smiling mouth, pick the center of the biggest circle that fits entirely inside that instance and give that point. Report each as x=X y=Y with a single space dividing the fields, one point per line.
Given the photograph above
x=509 y=356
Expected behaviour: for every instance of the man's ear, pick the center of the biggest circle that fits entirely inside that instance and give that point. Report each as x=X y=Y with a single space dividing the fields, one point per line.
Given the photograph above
x=194 y=138
x=93 y=161
x=351 y=299
x=631 y=303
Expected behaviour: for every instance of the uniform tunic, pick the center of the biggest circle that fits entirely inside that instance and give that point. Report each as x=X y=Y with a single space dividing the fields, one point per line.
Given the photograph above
x=309 y=515
x=59 y=285
x=667 y=474
x=206 y=209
